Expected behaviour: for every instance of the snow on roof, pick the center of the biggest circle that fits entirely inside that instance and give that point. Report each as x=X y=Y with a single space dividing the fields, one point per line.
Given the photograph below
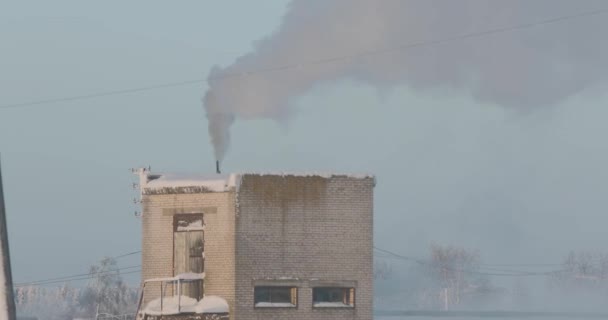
x=170 y=305
x=171 y=183
x=168 y=183
x=217 y=183
x=183 y=304
x=326 y=175
x=212 y=304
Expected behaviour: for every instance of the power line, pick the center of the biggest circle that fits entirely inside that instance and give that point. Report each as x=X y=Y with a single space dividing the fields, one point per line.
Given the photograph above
x=523 y=265
x=68 y=280
x=102 y=94
x=89 y=275
x=481 y=271
x=483 y=265
x=328 y=60
x=127 y=254
x=493 y=269
x=395 y=255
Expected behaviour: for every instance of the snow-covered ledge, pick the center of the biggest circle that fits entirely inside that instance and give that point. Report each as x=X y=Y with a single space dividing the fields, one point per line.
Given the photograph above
x=186 y=183
x=183 y=304
x=171 y=183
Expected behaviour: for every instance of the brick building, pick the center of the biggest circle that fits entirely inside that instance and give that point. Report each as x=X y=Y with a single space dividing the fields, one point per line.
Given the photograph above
x=274 y=246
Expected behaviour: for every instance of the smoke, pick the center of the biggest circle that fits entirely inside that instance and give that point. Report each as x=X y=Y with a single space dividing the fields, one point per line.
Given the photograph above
x=523 y=69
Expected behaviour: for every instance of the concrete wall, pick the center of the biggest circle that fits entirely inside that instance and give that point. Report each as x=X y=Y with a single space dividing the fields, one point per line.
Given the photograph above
x=307 y=229
x=157 y=245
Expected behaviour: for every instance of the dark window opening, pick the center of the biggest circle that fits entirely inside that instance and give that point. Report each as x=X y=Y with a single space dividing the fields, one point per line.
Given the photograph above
x=277 y=297
x=188 y=222
x=333 y=297
x=188 y=251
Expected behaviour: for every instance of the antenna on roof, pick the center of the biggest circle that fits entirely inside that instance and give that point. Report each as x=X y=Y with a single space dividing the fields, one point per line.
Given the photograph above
x=217 y=167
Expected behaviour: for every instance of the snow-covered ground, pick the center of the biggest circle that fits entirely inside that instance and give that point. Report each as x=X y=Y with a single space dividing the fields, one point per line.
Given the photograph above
x=479 y=318
x=513 y=317
x=454 y=318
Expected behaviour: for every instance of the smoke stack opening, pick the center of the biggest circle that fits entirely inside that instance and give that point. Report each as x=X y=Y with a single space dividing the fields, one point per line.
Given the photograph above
x=217 y=167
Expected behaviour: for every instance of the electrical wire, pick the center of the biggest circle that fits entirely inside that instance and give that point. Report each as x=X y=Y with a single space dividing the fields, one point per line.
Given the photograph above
x=127 y=254
x=68 y=280
x=328 y=60
x=523 y=265
x=102 y=94
x=81 y=276
x=480 y=271
x=88 y=274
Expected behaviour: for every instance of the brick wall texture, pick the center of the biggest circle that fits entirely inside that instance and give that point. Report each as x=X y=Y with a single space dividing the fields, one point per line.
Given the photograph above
x=300 y=229
x=157 y=243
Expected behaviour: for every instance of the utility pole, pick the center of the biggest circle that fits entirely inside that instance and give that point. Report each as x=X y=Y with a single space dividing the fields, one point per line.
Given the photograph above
x=7 y=305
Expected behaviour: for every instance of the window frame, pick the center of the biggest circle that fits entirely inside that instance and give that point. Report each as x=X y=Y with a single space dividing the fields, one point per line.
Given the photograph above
x=188 y=217
x=349 y=291
x=293 y=296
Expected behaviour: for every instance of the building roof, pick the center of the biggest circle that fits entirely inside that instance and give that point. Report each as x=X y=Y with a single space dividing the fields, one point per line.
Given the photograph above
x=215 y=183
x=167 y=183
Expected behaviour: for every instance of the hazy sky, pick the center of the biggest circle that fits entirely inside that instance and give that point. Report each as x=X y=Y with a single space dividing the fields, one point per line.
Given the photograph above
x=522 y=187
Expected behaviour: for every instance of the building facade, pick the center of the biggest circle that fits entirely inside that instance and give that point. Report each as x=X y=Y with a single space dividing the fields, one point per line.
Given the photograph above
x=274 y=246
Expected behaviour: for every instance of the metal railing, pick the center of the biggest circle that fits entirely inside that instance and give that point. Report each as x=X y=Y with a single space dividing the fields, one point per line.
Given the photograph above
x=176 y=282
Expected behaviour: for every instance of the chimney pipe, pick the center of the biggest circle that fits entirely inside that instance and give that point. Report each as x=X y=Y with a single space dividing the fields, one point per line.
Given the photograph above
x=217 y=167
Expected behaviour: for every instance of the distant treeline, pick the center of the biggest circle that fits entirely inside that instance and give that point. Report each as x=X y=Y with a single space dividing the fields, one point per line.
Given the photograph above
x=105 y=292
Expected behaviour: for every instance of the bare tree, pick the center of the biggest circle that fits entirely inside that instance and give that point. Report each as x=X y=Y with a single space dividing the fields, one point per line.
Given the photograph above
x=106 y=290
x=583 y=271
x=455 y=270
x=382 y=270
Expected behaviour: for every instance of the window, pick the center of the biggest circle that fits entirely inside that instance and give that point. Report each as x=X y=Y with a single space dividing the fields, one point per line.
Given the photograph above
x=333 y=297
x=275 y=297
x=188 y=222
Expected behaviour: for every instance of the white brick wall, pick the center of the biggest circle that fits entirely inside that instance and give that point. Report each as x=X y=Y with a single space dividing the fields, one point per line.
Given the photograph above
x=157 y=249
x=302 y=227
